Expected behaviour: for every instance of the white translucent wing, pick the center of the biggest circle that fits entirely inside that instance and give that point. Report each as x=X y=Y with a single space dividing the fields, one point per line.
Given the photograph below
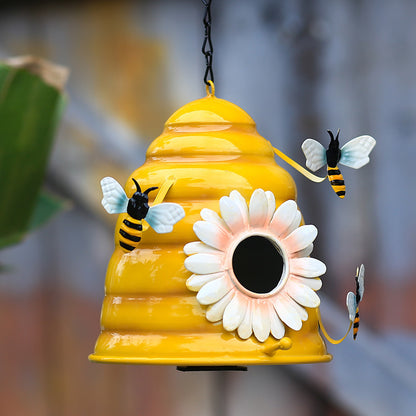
x=351 y=305
x=162 y=217
x=354 y=154
x=315 y=154
x=114 y=198
x=361 y=281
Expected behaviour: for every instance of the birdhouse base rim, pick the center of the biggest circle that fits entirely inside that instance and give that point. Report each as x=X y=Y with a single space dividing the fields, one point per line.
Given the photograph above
x=210 y=361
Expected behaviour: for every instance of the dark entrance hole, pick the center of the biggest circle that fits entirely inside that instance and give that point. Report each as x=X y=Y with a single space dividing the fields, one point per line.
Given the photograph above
x=257 y=264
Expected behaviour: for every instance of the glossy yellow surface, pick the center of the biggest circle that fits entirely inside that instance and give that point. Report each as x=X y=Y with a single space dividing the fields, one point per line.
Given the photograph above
x=211 y=147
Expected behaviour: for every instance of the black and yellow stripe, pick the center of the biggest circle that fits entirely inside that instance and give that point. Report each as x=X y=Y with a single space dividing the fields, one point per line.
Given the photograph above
x=337 y=181
x=130 y=233
x=356 y=324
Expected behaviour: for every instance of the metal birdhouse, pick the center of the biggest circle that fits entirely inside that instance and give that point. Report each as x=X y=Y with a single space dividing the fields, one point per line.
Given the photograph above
x=230 y=281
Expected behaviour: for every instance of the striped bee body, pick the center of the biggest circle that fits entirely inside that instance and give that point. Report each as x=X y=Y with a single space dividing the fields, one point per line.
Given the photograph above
x=130 y=233
x=359 y=291
x=356 y=324
x=336 y=180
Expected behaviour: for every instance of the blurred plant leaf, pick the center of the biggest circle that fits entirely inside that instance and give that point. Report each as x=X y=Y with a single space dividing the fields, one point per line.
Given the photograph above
x=31 y=103
x=46 y=207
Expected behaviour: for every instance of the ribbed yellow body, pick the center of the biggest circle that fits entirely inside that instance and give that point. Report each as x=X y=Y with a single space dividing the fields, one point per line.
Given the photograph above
x=337 y=181
x=211 y=147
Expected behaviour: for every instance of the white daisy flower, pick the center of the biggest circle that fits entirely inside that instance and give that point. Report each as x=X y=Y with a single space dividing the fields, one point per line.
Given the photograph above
x=252 y=266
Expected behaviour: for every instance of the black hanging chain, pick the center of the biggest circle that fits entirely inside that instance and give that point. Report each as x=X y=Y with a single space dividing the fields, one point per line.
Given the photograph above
x=207 y=48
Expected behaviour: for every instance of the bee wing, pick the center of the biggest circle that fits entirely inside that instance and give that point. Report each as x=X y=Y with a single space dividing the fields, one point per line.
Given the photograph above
x=361 y=281
x=114 y=198
x=354 y=153
x=162 y=217
x=351 y=305
x=315 y=154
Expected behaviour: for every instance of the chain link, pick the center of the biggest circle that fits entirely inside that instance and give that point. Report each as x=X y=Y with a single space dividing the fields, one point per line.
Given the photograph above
x=207 y=48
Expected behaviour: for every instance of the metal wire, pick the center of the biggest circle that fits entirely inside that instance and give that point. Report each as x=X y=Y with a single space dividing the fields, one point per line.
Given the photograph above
x=207 y=48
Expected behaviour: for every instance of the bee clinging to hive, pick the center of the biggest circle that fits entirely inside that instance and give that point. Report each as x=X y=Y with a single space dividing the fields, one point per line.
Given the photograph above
x=160 y=217
x=353 y=300
x=353 y=154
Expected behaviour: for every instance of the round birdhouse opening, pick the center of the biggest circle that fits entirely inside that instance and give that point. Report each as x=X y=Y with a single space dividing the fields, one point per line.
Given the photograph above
x=258 y=264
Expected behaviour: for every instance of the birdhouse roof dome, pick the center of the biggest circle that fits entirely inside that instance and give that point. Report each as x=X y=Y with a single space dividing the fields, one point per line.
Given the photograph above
x=209 y=126
x=209 y=110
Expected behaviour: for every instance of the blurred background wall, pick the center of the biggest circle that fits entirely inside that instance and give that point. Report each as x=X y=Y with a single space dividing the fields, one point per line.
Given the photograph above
x=298 y=67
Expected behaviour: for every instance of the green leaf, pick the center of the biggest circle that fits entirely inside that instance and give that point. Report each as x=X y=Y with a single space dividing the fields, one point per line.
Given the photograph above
x=30 y=106
x=46 y=207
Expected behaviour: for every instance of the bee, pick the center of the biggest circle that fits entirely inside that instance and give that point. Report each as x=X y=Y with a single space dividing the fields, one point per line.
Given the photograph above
x=353 y=154
x=353 y=300
x=160 y=217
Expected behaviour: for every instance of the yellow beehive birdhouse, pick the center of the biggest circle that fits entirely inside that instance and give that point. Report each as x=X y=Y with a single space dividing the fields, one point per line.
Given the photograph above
x=233 y=283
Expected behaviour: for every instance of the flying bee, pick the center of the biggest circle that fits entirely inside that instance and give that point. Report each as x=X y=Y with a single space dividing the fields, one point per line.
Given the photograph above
x=353 y=300
x=160 y=217
x=353 y=154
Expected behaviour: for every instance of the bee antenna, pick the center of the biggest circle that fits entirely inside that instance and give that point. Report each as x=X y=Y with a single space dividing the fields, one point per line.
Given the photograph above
x=336 y=138
x=331 y=135
x=153 y=188
x=137 y=185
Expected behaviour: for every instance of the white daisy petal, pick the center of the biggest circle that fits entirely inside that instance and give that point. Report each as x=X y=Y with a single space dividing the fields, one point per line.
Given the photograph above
x=302 y=294
x=294 y=224
x=261 y=321
x=213 y=291
x=258 y=208
x=203 y=263
x=287 y=313
x=246 y=327
x=307 y=267
x=234 y=313
x=271 y=205
x=303 y=313
x=211 y=235
x=212 y=217
x=276 y=326
x=231 y=213
x=300 y=238
x=314 y=283
x=241 y=202
x=283 y=217
x=216 y=311
x=196 y=281
x=197 y=247
x=305 y=252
